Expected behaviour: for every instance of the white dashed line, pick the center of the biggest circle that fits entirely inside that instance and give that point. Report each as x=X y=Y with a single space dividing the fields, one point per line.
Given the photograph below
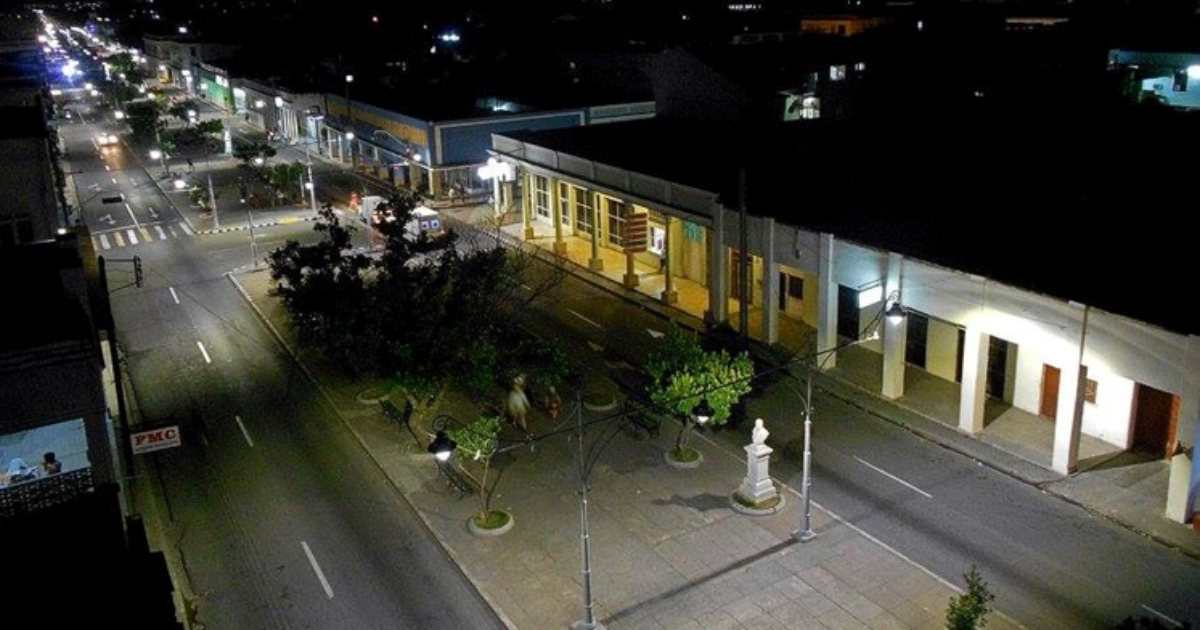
x=1163 y=617
x=204 y=352
x=317 y=568
x=245 y=432
x=174 y=296
x=107 y=168
x=114 y=180
x=171 y=229
x=895 y=478
x=186 y=230
x=120 y=240
x=585 y=319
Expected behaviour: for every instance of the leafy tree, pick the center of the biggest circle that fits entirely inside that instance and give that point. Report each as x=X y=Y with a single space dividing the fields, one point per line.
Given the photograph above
x=967 y=611
x=248 y=151
x=426 y=314
x=323 y=288
x=287 y=177
x=478 y=442
x=210 y=127
x=144 y=118
x=180 y=110
x=683 y=373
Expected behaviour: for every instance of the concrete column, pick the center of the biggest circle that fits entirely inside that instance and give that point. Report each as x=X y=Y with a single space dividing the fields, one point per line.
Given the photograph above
x=669 y=295
x=414 y=176
x=100 y=456
x=435 y=184
x=827 y=306
x=1183 y=482
x=894 y=335
x=595 y=263
x=974 y=380
x=1068 y=418
x=560 y=246
x=770 y=292
x=718 y=306
x=527 y=205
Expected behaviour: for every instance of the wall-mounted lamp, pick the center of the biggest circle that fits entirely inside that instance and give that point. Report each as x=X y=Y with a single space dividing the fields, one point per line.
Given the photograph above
x=895 y=313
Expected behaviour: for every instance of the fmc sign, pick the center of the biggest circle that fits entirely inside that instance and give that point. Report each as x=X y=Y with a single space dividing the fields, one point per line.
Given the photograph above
x=155 y=439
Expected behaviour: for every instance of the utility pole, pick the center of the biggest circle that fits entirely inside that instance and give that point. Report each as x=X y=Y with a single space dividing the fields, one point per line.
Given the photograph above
x=212 y=199
x=122 y=414
x=588 y=622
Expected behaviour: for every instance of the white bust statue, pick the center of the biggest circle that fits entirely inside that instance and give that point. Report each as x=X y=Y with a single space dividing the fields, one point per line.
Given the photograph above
x=760 y=433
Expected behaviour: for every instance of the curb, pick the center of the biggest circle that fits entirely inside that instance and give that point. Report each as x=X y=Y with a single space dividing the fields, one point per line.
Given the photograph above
x=240 y=228
x=499 y=612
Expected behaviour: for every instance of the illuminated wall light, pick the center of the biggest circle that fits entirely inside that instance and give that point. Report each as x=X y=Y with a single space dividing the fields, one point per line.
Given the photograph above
x=870 y=296
x=1193 y=72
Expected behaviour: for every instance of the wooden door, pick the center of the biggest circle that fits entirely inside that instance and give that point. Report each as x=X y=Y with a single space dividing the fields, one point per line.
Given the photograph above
x=1050 y=378
x=1154 y=415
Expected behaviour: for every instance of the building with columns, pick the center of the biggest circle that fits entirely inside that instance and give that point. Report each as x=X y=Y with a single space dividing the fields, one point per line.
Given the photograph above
x=1014 y=320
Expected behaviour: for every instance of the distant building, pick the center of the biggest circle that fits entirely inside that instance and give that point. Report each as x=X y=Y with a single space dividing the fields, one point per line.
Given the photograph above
x=1168 y=78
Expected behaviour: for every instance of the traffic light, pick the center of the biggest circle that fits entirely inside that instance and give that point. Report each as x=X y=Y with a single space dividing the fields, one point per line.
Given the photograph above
x=137 y=270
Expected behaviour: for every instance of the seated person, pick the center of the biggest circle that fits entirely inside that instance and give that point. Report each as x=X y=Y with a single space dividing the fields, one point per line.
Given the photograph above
x=18 y=471
x=50 y=464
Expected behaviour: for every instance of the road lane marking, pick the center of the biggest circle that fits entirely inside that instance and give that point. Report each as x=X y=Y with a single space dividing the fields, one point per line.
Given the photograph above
x=244 y=431
x=107 y=168
x=131 y=216
x=526 y=287
x=174 y=295
x=204 y=352
x=894 y=478
x=104 y=241
x=114 y=179
x=119 y=239
x=186 y=230
x=1163 y=617
x=161 y=234
x=317 y=568
x=585 y=319
x=133 y=240
x=145 y=234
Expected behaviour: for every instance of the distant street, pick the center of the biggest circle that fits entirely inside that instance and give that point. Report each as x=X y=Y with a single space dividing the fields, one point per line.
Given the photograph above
x=280 y=519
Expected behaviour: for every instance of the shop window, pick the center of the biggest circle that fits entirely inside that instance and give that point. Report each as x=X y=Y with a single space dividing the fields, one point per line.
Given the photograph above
x=564 y=203
x=583 y=211
x=541 y=196
x=658 y=240
x=616 y=221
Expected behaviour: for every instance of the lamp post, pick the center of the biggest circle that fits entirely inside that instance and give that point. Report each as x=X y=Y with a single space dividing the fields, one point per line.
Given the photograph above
x=350 y=125
x=311 y=186
x=894 y=314
x=157 y=154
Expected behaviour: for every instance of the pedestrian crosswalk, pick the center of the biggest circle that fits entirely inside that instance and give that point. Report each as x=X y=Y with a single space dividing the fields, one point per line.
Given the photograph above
x=128 y=237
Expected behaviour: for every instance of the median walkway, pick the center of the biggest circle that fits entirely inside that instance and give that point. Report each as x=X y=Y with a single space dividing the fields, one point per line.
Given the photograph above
x=668 y=550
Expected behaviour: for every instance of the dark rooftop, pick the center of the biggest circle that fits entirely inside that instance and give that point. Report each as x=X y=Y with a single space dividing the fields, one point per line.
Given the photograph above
x=22 y=122
x=41 y=310
x=1068 y=204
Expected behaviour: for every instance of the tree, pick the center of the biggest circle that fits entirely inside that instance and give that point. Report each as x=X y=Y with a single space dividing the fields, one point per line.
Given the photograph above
x=287 y=177
x=248 y=151
x=180 y=110
x=144 y=119
x=426 y=314
x=967 y=611
x=210 y=127
x=479 y=442
x=683 y=373
x=324 y=291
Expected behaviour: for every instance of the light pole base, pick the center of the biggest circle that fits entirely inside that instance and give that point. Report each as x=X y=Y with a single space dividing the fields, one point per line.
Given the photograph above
x=580 y=625
x=804 y=536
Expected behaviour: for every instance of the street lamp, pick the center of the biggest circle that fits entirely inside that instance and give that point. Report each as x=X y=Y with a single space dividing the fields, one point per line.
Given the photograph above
x=350 y=111
x=442 y=446
x=180 y=184
x=156 y=154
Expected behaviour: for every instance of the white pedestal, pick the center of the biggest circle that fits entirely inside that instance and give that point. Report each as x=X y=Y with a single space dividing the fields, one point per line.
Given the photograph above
x=757 y=485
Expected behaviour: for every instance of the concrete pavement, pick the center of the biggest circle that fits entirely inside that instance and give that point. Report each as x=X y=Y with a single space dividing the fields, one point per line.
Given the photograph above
x=668 y=550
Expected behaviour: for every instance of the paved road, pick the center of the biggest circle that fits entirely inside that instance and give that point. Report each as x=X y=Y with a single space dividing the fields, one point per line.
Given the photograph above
x=281 y=520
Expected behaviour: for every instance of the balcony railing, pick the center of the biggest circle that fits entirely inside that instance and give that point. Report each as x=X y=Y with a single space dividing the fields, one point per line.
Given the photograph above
x=31 y=496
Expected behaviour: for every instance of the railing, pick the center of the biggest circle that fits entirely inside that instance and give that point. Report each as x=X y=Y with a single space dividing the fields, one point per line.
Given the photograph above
x=31 y=496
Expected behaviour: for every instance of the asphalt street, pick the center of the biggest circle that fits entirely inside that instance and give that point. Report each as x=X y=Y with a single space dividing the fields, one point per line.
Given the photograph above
x=280 y=519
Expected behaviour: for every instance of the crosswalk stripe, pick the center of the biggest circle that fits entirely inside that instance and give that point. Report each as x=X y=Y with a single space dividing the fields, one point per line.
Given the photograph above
x=104 y=241
x=117 y=237
x=161 y=234
x=171 y=229
x=132 y=237
x=185 y=228
x=145 y=234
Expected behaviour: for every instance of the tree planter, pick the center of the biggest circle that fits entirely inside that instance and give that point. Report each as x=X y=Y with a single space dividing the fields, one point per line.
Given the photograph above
x=498 y=523
x=774 y=505
x=684 y=458
x=599 y=401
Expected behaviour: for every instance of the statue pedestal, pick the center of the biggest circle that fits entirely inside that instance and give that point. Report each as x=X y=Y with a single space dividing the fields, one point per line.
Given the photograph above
x=757 y=486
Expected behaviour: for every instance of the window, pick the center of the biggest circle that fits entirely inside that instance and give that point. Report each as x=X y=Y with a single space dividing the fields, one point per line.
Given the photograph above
x=541 y=196
x=564 y=203
x=837 y=73
x=583 y=211
x=795 y=287
x=658 y=240
x=616 y=221
x=860 y=66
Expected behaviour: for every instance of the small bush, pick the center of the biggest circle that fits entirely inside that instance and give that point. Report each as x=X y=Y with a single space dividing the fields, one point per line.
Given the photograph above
x=968 y=611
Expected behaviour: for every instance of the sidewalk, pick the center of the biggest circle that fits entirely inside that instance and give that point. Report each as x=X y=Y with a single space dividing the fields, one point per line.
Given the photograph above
x=668 y=551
